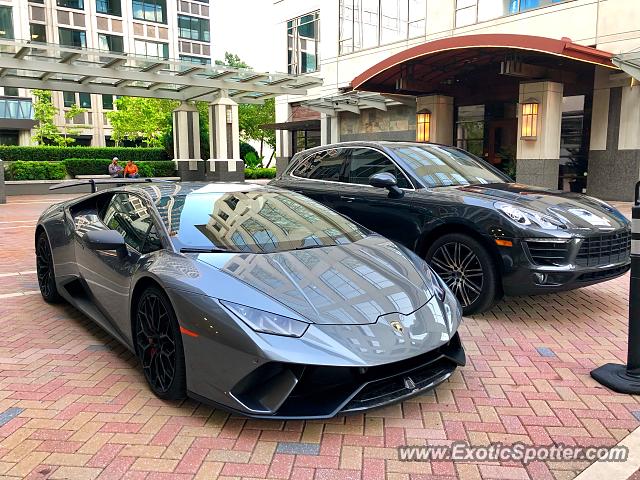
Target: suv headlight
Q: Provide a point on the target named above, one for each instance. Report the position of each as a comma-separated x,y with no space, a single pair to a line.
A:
267,322
525,217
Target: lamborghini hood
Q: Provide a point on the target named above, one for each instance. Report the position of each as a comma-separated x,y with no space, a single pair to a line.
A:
353,284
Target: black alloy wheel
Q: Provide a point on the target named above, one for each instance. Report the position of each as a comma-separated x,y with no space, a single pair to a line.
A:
159,345
467,269
44,270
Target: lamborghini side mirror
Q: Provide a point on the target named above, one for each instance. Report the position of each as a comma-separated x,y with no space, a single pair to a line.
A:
105,240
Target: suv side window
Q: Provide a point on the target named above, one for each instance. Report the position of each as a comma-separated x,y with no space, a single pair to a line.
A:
325,165
366,162
129,215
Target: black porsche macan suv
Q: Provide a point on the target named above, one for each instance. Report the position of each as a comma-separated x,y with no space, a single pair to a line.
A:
482,233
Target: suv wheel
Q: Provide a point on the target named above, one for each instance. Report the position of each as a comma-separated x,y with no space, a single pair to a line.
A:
468,270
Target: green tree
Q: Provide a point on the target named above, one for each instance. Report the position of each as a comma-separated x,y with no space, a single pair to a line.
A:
145,119
46,131
71,129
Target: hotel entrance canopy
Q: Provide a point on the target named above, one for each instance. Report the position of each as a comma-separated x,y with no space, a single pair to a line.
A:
60,68
466,64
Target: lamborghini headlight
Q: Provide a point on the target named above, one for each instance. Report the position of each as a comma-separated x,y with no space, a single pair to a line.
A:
267,322
526,217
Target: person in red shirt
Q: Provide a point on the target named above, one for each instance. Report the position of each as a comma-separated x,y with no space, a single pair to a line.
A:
131,170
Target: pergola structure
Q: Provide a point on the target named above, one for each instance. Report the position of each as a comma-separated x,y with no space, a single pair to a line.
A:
629,63
55,67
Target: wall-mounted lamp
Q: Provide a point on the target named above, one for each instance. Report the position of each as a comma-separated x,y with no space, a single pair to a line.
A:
529,129
423,126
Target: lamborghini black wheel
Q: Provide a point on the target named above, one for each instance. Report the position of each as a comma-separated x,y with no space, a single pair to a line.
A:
44,270
159,345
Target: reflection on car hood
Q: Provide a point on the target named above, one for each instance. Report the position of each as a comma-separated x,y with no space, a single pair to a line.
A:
352,284
574,210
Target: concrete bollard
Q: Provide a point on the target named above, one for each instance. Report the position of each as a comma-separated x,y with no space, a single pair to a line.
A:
626,378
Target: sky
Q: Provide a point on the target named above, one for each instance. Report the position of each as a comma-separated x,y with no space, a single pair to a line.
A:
241,27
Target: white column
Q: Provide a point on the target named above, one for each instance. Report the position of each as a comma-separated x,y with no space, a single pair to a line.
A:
224,141
186,142
538,158
441,109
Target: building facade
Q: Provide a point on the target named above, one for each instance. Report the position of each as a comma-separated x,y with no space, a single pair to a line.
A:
168,29
531,86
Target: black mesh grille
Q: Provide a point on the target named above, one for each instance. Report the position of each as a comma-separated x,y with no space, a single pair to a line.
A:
548,254
604,249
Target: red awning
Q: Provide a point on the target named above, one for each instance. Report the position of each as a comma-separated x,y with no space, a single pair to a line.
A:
439,60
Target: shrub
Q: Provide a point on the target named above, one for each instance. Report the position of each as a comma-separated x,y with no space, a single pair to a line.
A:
21,170
12,153
245,148
100,166
87,166
253,173
252,160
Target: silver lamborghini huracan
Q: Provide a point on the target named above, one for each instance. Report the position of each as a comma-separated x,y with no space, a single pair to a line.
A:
255,299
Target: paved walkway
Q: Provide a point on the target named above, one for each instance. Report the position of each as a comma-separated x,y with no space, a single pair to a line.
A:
74,405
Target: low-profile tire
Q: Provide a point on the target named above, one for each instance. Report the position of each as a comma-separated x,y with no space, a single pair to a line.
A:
467,268
158,343
45,271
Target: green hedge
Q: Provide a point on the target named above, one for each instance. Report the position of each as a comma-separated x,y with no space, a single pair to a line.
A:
10,153
100,166
254,173
21,170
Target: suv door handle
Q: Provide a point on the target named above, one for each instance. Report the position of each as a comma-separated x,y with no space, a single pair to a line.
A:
348,199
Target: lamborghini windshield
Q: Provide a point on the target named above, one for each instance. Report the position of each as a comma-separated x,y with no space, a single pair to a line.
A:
254,221
442,166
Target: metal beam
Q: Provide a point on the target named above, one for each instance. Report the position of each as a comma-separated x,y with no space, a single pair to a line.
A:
22,52
326,110
380,105
349,107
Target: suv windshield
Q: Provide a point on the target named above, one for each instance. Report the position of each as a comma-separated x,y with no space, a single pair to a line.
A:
254,221
442,166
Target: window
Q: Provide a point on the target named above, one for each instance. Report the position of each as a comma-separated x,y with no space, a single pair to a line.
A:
110,7
303,37
198,60
72,38
129,215
370,23
11,92
423,126
366,162
470,129
469,12
151,10
77,4
38,32
193,28
107,102
69,99
110,43
6,22
326,165
85,100
151,49
442,166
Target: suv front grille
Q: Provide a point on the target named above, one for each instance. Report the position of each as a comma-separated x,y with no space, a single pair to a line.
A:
548,253
604,249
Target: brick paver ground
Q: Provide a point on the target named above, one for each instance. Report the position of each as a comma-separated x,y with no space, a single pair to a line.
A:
74,405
